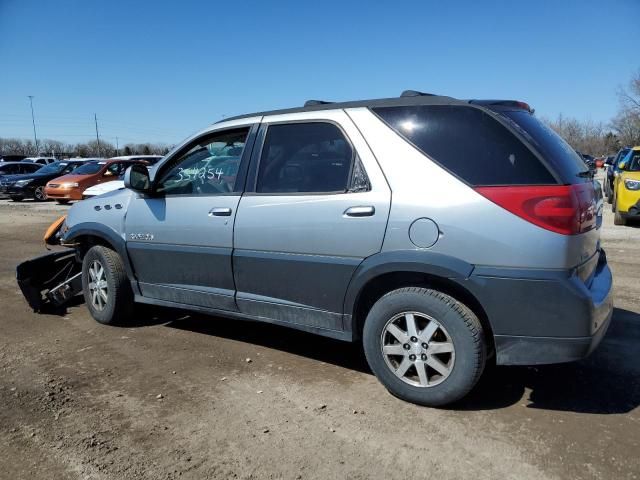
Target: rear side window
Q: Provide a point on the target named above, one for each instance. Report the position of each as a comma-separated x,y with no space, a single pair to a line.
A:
563,159
305,157
469,143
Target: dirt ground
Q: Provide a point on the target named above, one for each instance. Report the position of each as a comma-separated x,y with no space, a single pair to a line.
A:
176,396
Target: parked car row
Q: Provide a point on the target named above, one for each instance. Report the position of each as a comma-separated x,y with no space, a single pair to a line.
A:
64,180
622,186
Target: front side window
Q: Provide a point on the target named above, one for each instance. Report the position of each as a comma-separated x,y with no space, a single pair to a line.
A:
632,161
208,166
8,169
305,157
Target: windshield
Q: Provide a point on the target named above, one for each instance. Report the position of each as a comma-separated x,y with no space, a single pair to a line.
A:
633,161
89,168
55,167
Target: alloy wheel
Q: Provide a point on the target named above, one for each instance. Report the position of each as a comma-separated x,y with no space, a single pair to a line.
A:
98,286
417,349
39,193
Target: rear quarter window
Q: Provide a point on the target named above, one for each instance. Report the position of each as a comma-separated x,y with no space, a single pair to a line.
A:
469,143
562,158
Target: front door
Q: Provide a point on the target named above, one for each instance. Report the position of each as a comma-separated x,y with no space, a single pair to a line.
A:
180,239
317,207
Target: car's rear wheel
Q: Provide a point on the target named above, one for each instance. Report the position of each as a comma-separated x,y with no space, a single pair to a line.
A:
424,346
39,195
107,290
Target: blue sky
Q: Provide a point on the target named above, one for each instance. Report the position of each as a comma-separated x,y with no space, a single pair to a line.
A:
160,70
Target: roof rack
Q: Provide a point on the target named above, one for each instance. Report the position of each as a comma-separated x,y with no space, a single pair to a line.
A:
311,103
416,93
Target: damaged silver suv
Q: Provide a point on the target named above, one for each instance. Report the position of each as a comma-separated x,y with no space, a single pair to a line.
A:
439,232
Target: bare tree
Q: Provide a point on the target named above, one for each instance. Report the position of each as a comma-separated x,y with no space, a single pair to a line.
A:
627,122
585,136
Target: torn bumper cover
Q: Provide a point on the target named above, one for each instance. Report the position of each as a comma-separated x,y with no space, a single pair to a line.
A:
50,280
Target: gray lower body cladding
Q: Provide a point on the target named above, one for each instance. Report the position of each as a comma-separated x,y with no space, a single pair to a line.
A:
542,316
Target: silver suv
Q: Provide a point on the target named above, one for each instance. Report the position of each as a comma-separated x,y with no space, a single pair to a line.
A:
439,232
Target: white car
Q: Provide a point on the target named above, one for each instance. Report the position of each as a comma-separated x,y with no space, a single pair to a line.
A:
101,188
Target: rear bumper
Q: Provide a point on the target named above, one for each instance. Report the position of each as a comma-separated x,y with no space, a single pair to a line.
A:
512,350
541,317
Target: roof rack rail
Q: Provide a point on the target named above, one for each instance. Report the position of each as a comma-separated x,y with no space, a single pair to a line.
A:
416,93
311,103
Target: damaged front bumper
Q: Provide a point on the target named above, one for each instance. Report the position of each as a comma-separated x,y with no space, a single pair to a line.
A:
52,280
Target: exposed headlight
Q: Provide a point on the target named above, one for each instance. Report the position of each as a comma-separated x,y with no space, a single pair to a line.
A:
22,183
69,185
632,184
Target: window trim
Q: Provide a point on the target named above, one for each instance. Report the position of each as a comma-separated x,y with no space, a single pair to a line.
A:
252,177
245,159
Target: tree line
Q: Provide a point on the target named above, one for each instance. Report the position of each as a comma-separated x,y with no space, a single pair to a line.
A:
93,148
598,138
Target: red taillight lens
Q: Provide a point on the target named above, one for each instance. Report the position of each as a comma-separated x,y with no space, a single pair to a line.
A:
565,209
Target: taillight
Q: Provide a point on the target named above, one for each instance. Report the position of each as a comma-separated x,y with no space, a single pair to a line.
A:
565,209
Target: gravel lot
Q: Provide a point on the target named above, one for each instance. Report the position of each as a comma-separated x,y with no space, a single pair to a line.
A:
176,396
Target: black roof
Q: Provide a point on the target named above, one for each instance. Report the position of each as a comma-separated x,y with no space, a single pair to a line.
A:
407,98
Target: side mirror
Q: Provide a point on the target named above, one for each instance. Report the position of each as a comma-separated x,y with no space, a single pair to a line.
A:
137,178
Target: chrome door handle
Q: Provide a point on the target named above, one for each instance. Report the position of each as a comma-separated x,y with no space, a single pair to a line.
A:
220,212
360,211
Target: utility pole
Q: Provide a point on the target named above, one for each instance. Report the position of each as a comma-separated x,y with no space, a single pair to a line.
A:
33,121
117,149
95,118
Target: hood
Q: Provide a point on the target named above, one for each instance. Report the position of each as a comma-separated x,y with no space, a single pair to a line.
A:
71,177
631,175
26,176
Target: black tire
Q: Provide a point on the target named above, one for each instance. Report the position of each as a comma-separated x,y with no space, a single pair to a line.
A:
118,307
39,195
62,202
619,219
462,326
16,199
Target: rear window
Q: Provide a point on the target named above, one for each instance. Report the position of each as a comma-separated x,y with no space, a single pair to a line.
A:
469,143
562,158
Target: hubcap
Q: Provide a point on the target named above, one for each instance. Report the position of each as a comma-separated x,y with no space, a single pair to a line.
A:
98,287
417,349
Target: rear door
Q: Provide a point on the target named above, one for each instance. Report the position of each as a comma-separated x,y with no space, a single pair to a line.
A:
180,240
316,205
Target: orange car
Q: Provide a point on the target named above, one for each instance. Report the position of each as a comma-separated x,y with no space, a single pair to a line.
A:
70,187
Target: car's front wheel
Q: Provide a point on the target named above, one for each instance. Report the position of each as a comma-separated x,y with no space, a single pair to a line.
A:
62,202
107,290
424,346
39,195
16,198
